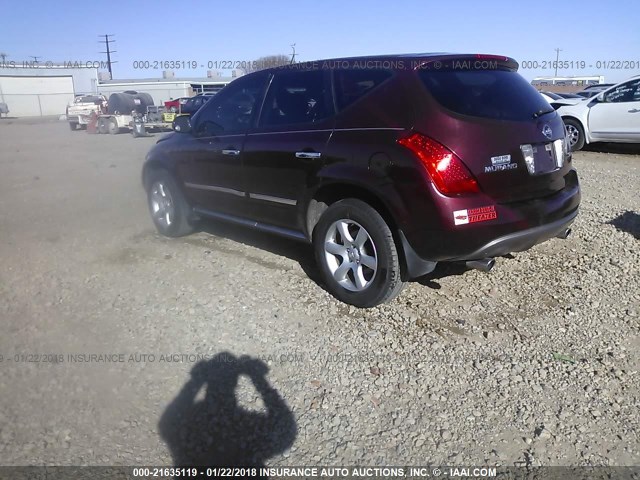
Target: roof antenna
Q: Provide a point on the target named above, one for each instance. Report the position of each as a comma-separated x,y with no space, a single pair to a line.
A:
293,55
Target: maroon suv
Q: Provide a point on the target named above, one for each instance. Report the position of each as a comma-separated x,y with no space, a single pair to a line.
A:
387,165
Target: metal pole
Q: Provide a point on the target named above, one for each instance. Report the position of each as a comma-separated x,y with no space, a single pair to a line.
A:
558,50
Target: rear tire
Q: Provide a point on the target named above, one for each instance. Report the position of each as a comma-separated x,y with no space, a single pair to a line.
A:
575,132
169,209
113,127
357,255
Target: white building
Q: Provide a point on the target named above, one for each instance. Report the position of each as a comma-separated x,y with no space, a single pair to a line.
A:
30,89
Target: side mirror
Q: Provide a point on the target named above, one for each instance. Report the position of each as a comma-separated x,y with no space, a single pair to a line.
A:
600,97
182,124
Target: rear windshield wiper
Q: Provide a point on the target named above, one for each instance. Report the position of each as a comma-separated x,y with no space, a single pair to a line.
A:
539,113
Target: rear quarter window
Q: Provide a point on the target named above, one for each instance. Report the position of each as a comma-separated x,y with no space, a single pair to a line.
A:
352,84
495,94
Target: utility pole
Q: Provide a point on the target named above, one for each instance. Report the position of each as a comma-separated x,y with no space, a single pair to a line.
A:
107,41
35,58
558,50
4,56
293,55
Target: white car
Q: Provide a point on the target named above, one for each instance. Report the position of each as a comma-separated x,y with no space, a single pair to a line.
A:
611,116
556,100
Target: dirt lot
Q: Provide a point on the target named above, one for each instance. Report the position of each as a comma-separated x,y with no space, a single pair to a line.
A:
535,363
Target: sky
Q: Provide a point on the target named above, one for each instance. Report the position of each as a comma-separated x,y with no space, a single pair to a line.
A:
206,32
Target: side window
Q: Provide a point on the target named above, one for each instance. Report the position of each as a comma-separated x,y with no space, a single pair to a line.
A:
232,109
296,97
352,84
627,92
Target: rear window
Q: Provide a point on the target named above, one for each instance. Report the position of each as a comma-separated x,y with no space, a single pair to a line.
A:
497,94
352,84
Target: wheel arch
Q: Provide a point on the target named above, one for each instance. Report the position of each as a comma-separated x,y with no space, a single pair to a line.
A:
578,120
153,165
330,193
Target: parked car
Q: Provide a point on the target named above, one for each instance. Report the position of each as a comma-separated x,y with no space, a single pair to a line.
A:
556,101
176,105
79,112
592,90
610,116
568,95
587,93
194,104
386,165
560,96
599,86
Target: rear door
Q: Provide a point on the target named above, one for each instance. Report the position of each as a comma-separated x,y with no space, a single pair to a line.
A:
497,124
617,117
285,150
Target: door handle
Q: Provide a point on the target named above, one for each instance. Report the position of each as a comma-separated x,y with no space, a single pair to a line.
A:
231,152
634,110
308,154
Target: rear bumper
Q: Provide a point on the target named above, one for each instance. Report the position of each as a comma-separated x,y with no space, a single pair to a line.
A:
521,241
518,227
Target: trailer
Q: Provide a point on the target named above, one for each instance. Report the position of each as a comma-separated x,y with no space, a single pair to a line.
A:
155,118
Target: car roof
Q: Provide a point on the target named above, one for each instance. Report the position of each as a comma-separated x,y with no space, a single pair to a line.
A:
347,62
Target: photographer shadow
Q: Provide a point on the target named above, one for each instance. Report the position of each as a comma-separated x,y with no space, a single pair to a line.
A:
216,431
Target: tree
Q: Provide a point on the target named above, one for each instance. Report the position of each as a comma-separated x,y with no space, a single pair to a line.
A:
268,61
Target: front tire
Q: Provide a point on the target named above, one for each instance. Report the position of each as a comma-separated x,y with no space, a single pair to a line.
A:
102,126
169,209
575,132
73,126
357,255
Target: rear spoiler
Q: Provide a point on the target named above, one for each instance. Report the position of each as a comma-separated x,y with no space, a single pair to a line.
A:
468,63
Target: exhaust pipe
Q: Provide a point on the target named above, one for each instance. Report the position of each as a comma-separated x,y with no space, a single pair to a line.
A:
484,265
563,235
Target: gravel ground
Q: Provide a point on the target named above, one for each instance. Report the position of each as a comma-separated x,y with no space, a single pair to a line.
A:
535,363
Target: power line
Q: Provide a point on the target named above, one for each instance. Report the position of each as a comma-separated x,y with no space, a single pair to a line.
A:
107,41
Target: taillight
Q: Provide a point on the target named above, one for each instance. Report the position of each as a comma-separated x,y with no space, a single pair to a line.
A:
448,173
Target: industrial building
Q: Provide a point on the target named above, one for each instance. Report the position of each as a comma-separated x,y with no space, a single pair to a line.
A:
32,89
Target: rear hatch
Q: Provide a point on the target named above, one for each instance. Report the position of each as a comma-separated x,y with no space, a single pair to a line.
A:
501,128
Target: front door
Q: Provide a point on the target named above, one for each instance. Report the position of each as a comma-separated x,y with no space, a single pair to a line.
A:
284,152
617,117
212,162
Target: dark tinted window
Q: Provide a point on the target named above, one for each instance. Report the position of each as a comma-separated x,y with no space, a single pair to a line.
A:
352,84
231,110
296,97
497,94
